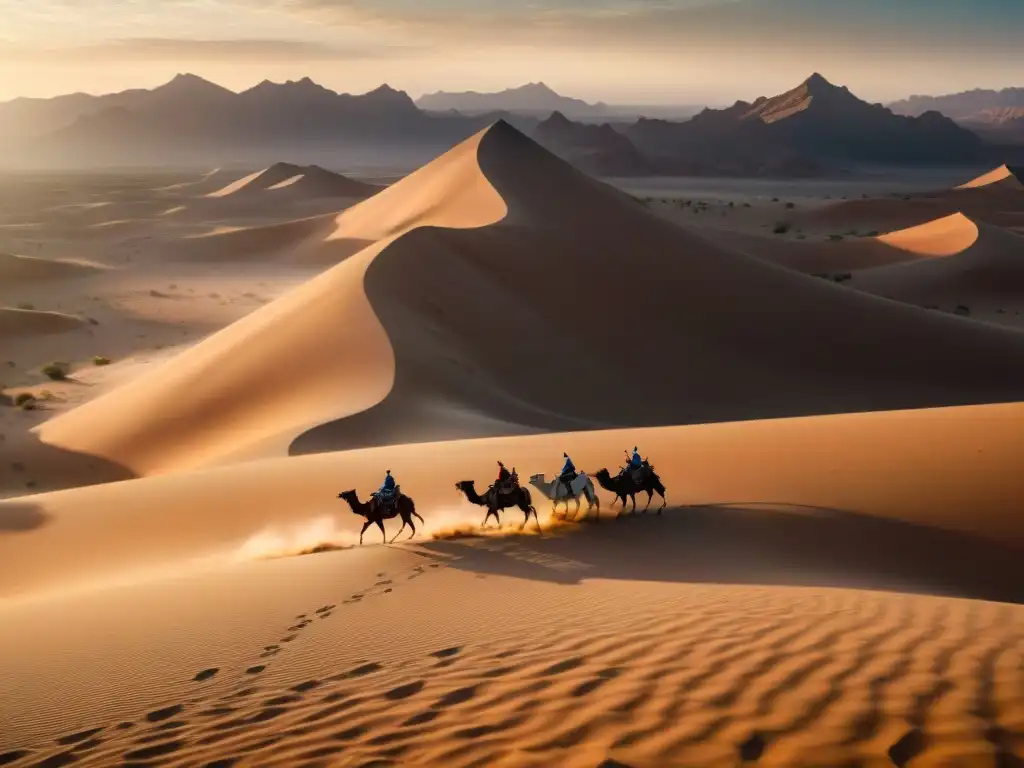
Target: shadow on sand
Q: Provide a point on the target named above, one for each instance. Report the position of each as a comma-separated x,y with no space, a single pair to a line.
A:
756,543
21,517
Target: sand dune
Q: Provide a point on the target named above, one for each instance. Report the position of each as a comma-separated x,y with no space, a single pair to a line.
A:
501,234
562,651
972,265
300,241
870,463
16,269
18,323
307,181
1003,176
278,372
813,257
994,198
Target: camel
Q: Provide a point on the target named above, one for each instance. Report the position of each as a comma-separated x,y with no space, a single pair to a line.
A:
496,502
374,512
556,491
623,485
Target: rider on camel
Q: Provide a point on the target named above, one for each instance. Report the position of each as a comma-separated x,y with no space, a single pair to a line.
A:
507,481
635,462
568,473
387,490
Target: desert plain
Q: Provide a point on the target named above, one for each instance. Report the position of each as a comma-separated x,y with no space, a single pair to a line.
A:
832,391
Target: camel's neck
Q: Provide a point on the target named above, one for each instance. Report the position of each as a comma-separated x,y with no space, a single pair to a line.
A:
357,506
471,495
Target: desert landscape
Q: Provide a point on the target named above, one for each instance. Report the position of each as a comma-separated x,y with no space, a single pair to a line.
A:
804,310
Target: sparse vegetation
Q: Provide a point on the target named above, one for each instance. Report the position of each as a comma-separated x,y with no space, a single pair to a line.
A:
781,228
56,371
962,310
100,360
842,277
791,206
25,400
835,238
26,305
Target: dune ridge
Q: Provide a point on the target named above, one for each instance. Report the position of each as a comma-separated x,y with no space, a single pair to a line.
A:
996,197
238,387
1004,176
16,268
971,264
307,181
500,229
18,323
817,463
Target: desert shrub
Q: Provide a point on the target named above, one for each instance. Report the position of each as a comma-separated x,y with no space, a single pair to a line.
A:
25,400
962,310
791,206
732,204
775,199
842,277
781,228
56,371
835,238
100,360
26,305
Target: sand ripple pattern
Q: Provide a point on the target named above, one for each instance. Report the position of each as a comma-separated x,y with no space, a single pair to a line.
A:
710,676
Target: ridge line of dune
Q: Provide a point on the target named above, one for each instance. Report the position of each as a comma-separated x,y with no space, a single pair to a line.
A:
272,342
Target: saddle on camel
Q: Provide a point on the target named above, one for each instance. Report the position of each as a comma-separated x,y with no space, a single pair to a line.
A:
507,482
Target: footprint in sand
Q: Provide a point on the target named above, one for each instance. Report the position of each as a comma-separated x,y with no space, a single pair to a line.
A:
325,609
55,761
909,746
76,738
206,674
361,671
309,685
288,639
157,750
752,749
459,696
164,714
405,691
255,670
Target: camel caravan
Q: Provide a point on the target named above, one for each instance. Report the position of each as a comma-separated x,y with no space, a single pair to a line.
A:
638,476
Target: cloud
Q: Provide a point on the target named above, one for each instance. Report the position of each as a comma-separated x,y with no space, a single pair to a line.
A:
156,49
986,27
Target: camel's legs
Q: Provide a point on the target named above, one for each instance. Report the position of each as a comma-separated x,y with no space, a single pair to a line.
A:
412,525
367,525
650,495
383,533
633,497
664,502
417,516
397,534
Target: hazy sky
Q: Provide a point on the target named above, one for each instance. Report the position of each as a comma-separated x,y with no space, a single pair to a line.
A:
626,51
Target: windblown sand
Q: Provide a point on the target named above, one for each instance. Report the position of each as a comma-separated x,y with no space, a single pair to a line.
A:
836,579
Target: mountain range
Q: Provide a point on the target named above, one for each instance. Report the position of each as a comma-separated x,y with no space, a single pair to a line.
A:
996,115
541,101
814,128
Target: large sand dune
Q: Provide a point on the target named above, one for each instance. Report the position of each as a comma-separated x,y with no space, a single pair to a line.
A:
970,264
411,339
